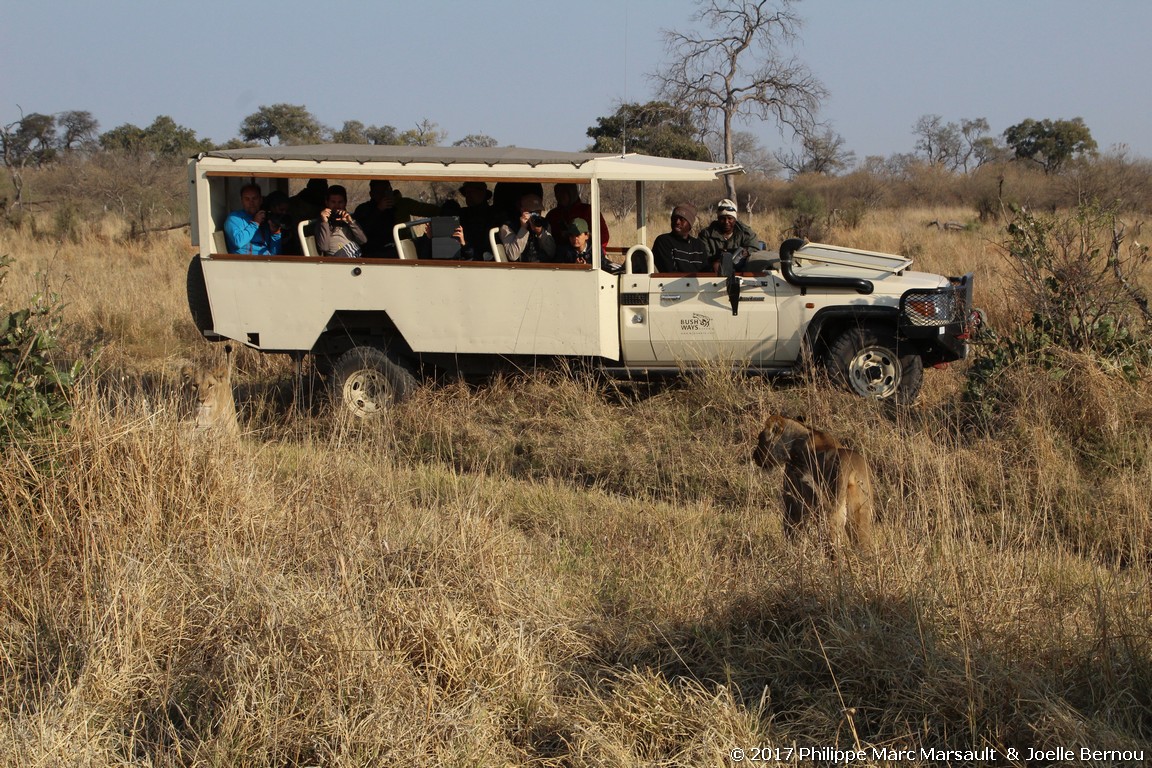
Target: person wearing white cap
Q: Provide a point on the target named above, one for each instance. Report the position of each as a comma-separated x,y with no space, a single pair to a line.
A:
727,234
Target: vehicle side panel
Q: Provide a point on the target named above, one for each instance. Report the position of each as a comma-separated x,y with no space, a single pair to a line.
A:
284,303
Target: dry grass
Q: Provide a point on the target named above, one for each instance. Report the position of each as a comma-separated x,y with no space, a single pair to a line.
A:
546,570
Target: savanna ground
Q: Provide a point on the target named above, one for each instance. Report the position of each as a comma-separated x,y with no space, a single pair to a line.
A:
550,570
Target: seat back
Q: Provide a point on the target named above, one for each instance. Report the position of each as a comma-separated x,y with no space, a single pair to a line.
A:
639,261
305,232
497,247
219,242
405,247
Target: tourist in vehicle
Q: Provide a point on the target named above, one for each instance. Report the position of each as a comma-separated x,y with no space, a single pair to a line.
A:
248,230
308,202
337,233
383,210
477,216
578,248
528,237
569,207
677,250
276,213
727,235
467,252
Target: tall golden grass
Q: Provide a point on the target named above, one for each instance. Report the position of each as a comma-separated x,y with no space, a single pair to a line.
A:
551,570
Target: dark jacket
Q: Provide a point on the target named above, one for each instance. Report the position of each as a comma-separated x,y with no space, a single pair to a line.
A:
377,224
477,221
673,253
742,237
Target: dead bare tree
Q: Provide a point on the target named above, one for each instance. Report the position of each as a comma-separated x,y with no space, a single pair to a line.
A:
738,68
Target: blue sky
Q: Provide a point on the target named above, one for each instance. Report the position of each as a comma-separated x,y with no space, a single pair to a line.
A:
538,74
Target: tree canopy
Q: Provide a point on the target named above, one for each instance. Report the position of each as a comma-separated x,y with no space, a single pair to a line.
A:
78,130
736,67
286,123
955,146
163,138
822,153
656,128
30,141
1050,143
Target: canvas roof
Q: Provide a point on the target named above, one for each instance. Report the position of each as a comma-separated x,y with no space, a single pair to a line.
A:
347,160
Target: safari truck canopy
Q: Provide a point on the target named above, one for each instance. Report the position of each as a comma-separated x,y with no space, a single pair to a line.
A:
300,303
494,164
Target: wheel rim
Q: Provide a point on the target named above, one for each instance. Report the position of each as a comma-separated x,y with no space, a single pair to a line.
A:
366,392
874,372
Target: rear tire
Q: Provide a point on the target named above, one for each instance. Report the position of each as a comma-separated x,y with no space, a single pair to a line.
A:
368,380
869,362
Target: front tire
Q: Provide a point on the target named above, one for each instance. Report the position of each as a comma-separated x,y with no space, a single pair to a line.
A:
870,362
368,380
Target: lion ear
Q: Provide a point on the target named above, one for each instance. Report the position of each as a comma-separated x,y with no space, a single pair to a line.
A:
187,372
800,418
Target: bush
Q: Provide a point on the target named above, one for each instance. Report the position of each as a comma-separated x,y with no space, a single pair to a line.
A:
34,395
1078,287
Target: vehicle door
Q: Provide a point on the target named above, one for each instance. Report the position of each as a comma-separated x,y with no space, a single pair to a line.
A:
690,319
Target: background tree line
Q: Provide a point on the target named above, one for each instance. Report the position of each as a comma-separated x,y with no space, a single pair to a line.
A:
731,66
136,171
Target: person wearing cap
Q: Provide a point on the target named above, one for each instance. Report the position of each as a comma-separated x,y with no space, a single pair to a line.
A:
477,216
528,236
569,207
578,246
678,250
578,249
726,234
384,209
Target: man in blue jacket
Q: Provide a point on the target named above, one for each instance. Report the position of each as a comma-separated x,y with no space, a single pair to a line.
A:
247,230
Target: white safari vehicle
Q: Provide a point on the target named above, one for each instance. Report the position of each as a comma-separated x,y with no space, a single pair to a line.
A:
378,325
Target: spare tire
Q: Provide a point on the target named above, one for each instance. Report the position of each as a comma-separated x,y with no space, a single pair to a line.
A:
198,297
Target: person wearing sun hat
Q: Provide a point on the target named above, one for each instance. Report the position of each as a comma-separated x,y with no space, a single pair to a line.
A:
677,250
477,216
727,234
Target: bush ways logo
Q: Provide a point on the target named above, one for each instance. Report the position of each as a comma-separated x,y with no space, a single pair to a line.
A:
695,323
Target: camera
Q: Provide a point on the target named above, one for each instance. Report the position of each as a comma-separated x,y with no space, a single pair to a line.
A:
537,220
336,216
276,220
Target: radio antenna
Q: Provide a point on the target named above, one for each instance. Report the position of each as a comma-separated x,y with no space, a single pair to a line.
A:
624,128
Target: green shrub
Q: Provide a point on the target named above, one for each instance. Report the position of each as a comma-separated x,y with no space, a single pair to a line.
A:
1078,287
809,213
34,395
